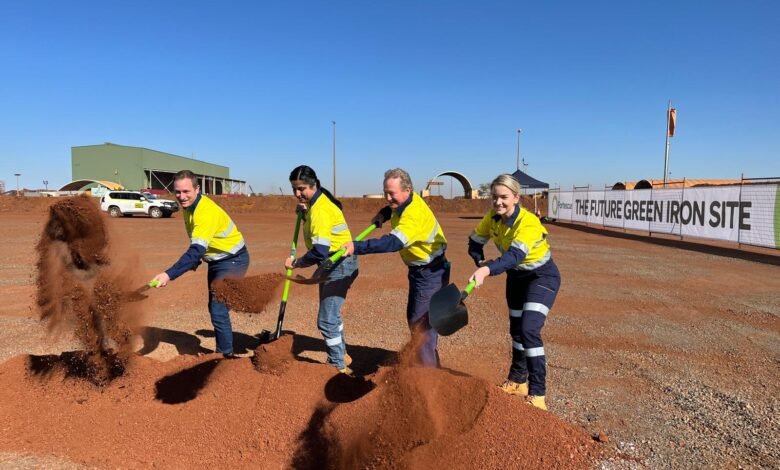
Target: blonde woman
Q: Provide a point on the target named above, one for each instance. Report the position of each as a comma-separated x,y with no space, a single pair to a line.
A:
532,282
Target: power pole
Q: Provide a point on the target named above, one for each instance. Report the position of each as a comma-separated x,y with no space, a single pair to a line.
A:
519,131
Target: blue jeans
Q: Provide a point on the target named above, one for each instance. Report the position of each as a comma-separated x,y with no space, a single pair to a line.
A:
530,296
333,293
234,267
425,281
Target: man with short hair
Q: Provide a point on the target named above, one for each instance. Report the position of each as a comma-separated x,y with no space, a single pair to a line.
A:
215,239
420,240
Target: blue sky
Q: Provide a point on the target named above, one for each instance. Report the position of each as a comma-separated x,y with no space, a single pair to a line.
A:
428,86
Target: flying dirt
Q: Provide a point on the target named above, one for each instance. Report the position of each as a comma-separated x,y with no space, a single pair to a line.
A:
80,287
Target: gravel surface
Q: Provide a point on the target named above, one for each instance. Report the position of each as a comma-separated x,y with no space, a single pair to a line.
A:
672,354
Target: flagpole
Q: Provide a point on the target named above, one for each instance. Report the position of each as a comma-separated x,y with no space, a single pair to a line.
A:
666,155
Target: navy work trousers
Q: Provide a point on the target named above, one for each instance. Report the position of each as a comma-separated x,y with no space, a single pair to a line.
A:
234,267
530,296
425,281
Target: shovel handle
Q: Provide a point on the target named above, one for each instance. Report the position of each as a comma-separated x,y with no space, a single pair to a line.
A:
337,255
153,283
293,249
470,287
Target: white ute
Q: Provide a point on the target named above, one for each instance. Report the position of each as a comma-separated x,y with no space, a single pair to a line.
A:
127,203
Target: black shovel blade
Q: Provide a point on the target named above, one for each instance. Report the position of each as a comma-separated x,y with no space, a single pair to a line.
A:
266,336
447,313
298,279
319,276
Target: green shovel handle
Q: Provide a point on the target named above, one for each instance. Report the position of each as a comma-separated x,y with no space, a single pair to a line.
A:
337,255
292,255
153,283
470,287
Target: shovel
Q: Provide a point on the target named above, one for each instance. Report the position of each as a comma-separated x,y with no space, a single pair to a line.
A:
321,273
268,336
447,313
138,294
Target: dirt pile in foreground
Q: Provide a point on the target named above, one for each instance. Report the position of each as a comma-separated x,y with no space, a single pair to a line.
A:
208,411
79,288
417,417
249,294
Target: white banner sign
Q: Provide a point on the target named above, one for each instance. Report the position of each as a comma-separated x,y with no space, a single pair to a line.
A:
747,214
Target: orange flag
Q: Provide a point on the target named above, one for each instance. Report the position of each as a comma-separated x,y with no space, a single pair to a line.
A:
672,122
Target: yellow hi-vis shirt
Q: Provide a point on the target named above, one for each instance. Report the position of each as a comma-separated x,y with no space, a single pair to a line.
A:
419,231
526,234
209,226
325,225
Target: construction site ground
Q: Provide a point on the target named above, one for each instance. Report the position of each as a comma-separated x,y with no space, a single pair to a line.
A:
670,351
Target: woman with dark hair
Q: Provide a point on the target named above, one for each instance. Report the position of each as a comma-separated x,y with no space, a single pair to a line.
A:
325,231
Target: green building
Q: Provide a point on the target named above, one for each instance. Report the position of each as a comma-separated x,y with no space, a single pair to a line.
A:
139,168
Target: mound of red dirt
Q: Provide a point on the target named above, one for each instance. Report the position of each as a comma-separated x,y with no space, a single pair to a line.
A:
418,417
249,294
425,418
274,358
208,411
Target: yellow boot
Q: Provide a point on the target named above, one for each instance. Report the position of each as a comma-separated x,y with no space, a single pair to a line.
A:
347,362
537,401
514,388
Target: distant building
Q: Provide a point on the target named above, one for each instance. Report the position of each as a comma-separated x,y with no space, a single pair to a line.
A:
2,187
140,168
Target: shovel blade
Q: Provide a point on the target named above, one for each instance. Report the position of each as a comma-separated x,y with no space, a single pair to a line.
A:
447,313
319,276
298,279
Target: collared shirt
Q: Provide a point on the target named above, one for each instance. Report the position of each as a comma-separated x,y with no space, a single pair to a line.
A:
522,241
213,236
416,234
325,230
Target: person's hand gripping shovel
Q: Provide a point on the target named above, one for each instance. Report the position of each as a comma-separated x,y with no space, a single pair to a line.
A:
320,274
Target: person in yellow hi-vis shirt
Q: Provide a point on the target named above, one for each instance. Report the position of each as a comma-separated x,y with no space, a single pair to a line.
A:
215,239
417,235
532,283
325,231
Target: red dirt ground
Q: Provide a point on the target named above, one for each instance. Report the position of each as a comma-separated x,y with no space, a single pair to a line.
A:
646,345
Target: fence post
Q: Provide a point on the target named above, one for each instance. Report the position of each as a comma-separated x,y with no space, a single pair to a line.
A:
587,198
622,211
739,230
682,199
650,229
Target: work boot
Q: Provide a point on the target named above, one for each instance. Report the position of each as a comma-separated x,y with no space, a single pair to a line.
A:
514,388
347,360
346,371
537,401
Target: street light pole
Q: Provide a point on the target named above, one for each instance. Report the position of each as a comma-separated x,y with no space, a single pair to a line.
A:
334,157
519,131
46,184
17,182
